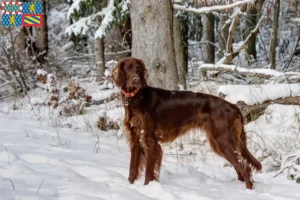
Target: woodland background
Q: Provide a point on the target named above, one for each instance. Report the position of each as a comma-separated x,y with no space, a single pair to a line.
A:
54,86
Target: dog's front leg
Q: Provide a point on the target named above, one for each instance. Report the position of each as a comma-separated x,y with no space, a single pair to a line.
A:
136,160
153,154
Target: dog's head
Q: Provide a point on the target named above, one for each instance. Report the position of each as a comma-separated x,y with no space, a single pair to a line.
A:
129,74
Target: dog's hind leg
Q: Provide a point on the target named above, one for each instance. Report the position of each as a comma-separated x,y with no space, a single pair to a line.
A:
229,150
224,143
240,176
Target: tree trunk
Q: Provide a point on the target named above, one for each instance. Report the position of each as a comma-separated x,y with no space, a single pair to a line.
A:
99,46
297,12
198,27
99,57
209,37
273,41
250,25
41,41
153,42
223,34
185,38
179,51
21,39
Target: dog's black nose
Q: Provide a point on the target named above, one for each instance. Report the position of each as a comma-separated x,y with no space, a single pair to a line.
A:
136,79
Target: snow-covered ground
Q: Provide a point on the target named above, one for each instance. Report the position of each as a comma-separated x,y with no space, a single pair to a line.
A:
41,160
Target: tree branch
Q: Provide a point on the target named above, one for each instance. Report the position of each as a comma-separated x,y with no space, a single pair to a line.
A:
204,10
252,34
232,29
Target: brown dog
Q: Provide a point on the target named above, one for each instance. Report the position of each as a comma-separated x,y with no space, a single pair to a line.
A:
154,115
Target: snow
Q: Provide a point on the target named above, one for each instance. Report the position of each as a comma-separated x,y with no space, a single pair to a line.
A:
296,19
276,133
85,24
234,68
57,24
41,72
203,10
50,85
74,6
43,159
107,20
254,94
79,27
104,94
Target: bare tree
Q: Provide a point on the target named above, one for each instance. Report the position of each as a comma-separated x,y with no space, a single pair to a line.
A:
253,16
179,51
208,37
273,41
152,41
41,40
234,24
223,30
100,47
13,68
250,25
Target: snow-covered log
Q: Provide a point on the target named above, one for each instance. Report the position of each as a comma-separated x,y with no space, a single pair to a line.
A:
262,73
254,99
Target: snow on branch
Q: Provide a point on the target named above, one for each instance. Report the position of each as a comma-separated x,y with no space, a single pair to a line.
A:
74,6
109,17
91,22
247,72
211,8
296,19
80,27
107,20
292,164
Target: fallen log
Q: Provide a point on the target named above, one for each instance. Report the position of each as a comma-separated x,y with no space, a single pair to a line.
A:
253,112
261,73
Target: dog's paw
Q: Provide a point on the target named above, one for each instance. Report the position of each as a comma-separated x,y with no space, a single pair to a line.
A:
131,179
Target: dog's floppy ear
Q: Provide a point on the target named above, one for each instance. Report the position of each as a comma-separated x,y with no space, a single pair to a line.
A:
118,74
144,74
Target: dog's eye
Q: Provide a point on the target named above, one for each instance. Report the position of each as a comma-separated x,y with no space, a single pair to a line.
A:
138,70
127,68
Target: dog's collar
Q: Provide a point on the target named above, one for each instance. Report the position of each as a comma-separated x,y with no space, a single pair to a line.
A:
131,94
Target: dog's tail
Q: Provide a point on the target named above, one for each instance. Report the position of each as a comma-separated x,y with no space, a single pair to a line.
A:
254,163
240,136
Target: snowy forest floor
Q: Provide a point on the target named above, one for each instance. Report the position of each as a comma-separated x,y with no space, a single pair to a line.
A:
35,166
43,156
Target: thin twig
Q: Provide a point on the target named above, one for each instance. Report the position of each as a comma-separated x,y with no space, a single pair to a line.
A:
27,135
7,154
280,172
12,184
40,186
293,54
